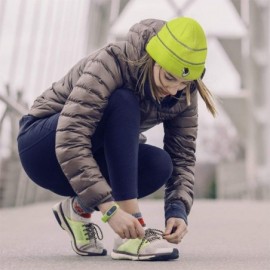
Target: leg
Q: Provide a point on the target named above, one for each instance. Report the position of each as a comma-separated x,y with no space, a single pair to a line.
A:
121,143
123,160
133,170
155,168
36,145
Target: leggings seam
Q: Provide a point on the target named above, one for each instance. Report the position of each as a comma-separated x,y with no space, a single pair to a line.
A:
28,148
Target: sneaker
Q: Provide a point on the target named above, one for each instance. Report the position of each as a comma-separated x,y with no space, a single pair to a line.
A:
84,234
151,248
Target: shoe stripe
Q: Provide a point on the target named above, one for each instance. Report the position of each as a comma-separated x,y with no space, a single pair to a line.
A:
60,217
142,255
147,257
70,230
123,256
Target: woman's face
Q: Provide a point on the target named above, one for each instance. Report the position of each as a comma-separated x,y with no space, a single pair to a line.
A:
168,83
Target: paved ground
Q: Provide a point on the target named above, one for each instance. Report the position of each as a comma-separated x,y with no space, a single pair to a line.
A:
222,235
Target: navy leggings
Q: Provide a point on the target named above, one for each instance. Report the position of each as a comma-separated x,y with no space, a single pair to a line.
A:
133,170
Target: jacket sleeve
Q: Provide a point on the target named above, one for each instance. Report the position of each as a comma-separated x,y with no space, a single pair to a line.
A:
180,142
77,123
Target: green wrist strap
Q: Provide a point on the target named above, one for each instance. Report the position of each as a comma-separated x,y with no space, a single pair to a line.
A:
109,213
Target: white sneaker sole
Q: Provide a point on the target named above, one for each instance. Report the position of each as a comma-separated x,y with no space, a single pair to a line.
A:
59,215
151,257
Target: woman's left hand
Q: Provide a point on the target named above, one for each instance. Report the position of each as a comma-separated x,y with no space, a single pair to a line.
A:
176,229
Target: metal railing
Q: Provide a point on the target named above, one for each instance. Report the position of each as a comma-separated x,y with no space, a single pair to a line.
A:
39,41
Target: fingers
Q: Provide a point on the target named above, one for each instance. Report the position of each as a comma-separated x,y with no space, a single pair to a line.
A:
135,230
132,231
177,229
169,227
122,234
176,237
140,230
126,226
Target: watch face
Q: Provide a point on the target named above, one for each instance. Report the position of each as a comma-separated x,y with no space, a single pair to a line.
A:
111,211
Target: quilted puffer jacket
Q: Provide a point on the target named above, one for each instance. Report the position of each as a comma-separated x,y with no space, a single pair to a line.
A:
82,95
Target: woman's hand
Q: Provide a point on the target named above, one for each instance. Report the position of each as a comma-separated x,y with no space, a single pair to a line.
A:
176,229
125,225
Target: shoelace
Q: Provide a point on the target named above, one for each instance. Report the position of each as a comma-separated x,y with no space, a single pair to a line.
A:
150,235
93,231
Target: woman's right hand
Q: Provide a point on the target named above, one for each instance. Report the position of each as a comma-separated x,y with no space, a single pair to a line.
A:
125,225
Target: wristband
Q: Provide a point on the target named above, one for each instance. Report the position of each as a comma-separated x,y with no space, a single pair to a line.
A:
109,213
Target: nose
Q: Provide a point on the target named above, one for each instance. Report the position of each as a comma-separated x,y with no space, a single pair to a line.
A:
172,90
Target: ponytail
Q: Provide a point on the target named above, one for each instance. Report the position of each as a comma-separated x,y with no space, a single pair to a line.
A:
206,96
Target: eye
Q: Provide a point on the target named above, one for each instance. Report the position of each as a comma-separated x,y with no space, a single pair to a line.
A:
169,78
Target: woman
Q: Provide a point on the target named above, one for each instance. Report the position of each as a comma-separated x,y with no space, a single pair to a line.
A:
81,138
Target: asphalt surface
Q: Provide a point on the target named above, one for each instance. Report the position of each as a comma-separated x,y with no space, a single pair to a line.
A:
222,235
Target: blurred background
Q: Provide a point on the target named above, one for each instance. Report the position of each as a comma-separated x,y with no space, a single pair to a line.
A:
40,40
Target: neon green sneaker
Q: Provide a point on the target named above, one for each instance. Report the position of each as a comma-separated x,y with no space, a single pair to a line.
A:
151,248
84,234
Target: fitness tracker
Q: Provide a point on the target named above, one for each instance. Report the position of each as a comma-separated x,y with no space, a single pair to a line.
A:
109,213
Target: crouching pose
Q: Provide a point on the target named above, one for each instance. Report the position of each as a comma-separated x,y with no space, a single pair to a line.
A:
82,138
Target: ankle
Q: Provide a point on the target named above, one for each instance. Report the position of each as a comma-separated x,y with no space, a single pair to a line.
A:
132,207
139,218
79,210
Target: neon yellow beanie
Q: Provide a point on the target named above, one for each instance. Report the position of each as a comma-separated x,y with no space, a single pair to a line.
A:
180,47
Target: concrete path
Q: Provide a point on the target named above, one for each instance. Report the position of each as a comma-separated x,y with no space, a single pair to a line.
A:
231,235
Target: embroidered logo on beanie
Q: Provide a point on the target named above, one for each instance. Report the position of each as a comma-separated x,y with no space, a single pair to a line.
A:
185,72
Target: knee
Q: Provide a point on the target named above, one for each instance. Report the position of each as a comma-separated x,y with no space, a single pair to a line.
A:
154,171
160,165
164,164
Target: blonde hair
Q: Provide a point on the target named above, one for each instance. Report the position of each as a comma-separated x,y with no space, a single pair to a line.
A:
206,96
145,66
